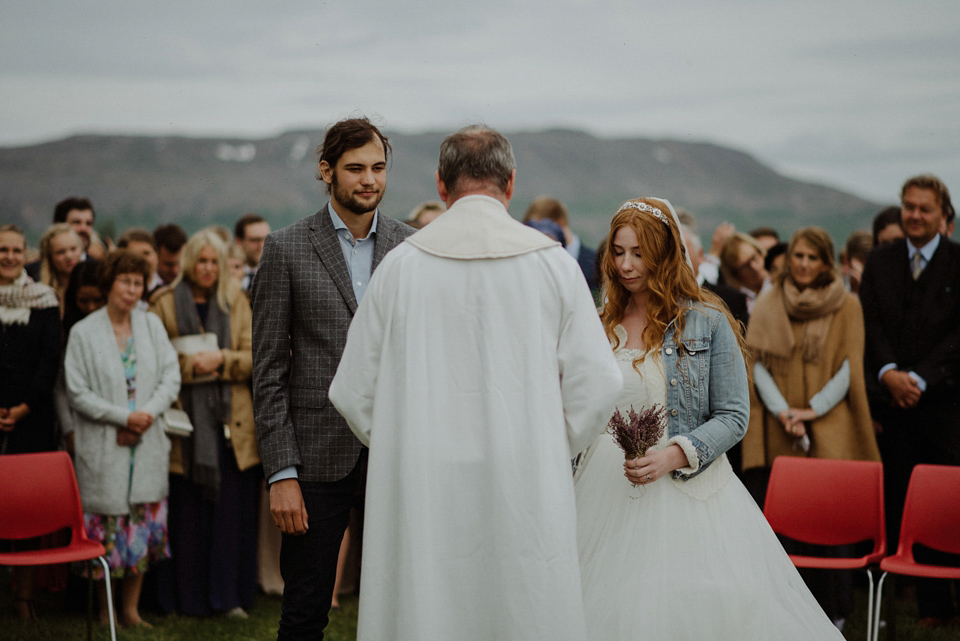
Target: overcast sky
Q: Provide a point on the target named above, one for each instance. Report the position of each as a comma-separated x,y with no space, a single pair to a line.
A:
859,95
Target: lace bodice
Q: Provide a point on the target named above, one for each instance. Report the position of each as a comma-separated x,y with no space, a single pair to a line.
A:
647,387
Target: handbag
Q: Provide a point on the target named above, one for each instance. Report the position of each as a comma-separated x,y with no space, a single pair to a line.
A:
177,422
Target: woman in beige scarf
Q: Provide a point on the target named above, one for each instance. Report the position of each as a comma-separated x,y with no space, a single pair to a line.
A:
806,336
809,396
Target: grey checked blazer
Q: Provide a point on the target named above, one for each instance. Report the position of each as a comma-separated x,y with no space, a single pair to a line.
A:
303,303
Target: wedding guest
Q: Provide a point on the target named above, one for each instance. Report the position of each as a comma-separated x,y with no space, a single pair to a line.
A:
29,360
775,259
121,374
425,213
806,333
545,208
215,474
734,299
853,257
887,226
766,237
83,297
169,240
140,241
60,250
911,311
79,214
249,234
236,263
742,266
550,228
694,530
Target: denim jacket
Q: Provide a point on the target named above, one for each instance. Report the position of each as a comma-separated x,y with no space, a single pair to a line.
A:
708,404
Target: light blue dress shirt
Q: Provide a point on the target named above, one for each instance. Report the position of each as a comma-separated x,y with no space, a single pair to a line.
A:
358,254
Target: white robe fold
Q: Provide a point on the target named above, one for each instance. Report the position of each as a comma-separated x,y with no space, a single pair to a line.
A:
475,368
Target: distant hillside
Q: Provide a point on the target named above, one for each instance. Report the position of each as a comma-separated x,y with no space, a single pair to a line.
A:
199,181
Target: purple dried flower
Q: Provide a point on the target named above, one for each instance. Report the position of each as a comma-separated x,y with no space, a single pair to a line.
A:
640,431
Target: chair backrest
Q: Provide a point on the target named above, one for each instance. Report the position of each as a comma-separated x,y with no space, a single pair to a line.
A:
38,495
931,513
826,501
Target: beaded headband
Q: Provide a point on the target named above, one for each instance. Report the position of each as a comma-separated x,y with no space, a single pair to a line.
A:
641,206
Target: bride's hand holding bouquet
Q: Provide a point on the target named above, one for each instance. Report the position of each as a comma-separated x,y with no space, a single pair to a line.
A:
635,434
654,465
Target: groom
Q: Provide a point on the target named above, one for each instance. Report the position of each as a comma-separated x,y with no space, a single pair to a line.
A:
311,276
475,368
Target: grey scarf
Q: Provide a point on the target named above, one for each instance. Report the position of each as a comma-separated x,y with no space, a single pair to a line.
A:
208,404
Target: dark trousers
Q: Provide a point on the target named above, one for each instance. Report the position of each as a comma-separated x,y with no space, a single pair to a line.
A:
213,544
308,562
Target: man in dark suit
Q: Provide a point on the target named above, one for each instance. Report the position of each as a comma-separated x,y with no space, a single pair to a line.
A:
910,294
312,275
545,208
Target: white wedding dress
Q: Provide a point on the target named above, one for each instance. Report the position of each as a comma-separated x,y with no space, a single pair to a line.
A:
687,559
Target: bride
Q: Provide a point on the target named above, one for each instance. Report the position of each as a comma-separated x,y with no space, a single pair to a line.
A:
692,557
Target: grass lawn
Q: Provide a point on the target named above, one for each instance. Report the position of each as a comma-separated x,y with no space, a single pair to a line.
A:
55,625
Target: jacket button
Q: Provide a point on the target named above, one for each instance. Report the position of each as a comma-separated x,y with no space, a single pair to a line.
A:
673,381
673,412
668,351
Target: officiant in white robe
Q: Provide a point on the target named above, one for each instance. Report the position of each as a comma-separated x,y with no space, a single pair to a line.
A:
475,368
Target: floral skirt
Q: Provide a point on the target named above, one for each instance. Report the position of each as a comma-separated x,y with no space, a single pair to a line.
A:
133,541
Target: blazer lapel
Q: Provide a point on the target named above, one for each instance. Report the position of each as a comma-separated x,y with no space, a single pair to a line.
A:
323,237
385,240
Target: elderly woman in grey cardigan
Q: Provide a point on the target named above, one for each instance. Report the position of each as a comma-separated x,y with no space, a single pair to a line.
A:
121,374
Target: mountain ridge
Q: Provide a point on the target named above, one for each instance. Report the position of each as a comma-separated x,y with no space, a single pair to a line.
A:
149,180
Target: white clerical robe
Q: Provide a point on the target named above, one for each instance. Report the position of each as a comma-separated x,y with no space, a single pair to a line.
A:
475,368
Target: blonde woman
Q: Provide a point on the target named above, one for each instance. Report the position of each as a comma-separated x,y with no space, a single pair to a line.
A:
61,248
215,478
742,266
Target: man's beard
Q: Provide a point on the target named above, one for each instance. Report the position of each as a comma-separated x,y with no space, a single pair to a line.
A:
350,202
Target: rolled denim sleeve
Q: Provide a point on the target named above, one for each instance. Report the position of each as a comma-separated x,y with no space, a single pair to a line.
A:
728,398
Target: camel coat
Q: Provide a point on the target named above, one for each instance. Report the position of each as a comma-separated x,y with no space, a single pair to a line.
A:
846,431
237,369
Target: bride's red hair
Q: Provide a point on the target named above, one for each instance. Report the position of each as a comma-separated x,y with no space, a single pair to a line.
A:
671,281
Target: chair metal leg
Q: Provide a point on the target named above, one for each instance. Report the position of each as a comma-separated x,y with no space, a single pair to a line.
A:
110,614
876,608
870,605
89,600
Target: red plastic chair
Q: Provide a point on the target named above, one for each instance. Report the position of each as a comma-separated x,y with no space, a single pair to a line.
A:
829,502
931,517
38,496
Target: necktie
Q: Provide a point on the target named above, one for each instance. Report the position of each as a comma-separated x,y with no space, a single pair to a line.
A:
916,265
